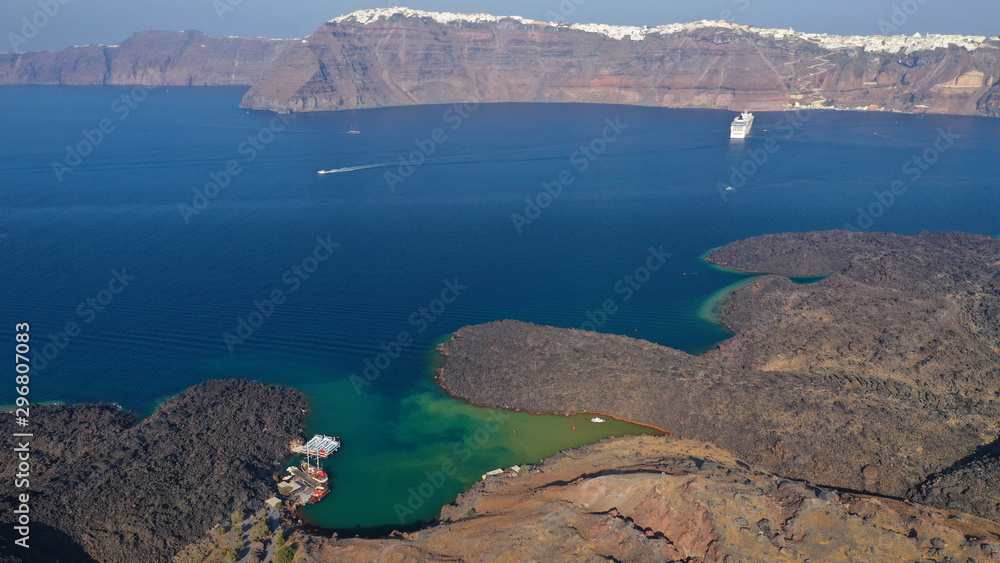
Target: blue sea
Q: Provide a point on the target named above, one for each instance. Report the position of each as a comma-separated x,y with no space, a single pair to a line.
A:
158,238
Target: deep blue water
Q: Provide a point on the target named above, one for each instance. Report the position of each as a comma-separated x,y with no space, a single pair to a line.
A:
654,186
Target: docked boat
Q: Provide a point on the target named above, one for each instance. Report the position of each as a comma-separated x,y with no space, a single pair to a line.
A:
318,494
315,471
741,126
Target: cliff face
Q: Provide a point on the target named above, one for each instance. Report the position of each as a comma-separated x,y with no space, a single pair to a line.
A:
151,58
106,486
872,379
645,499
397,56
405,57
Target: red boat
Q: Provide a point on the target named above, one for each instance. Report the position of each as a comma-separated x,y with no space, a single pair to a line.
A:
315,471
318,494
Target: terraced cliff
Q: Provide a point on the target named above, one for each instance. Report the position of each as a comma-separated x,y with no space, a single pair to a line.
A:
150,58
396,56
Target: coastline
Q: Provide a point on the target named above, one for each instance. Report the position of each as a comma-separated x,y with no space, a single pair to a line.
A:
469,401
711,308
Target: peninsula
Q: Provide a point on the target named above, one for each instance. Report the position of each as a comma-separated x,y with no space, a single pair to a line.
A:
877,378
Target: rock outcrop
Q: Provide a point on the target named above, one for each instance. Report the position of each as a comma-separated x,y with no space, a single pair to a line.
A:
972,485
881,374
645,499
106,486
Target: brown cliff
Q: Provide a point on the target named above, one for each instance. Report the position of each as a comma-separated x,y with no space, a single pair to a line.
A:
410,57
151,58
405,57
872,379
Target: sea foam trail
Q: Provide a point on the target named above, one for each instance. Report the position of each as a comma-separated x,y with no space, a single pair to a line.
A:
353,168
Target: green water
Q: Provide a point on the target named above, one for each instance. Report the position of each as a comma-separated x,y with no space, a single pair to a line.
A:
711,309
418,455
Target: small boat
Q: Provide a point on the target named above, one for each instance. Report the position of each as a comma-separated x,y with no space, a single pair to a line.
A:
354,130
730,188
597,419
318,494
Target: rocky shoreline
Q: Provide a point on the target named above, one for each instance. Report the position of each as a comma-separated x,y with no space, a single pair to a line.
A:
642,499
881,380
107,486
873,379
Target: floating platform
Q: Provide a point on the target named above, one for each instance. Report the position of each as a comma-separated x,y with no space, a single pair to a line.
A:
318,446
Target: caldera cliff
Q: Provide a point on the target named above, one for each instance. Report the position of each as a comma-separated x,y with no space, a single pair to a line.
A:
397,56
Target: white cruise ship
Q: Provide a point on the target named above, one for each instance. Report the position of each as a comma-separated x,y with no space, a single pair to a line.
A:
741,126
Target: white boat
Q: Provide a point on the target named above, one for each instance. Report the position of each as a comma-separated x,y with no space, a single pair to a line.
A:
597,419
741,126
321,446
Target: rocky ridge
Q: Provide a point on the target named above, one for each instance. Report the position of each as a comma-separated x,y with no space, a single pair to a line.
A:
107,486
878,376
397,56
150,58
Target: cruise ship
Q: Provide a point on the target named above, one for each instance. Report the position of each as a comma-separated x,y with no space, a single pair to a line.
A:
741,126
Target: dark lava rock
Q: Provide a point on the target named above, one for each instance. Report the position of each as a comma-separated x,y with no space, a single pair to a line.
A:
885,371
108,486
972,486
